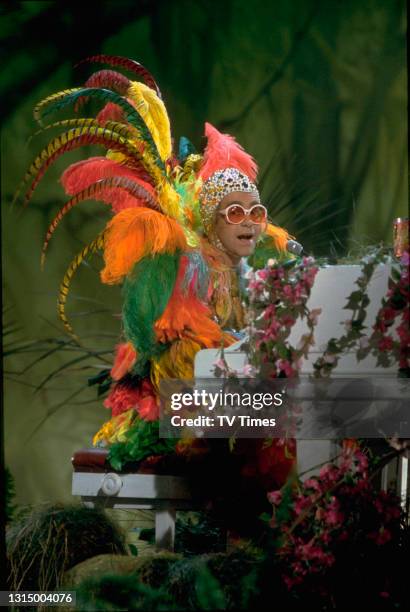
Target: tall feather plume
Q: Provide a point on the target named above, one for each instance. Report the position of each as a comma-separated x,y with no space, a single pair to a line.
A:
107,79
222,151
62,99
102,190
79,137
128,64
122,129
82,174
153,111
88,250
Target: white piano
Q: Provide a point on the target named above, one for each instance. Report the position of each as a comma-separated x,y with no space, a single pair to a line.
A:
333,285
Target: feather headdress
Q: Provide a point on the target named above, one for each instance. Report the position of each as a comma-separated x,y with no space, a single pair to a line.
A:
222,151
159,201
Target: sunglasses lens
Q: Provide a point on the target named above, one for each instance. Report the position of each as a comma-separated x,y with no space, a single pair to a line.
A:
258,214
235,214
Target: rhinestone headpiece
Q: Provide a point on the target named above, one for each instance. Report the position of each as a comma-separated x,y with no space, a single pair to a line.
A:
216,187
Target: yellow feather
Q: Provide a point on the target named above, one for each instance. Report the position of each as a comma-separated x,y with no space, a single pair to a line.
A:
169,199
177,362
115,429
89,249
153,111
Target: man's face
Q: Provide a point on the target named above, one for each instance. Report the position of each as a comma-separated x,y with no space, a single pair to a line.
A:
240,239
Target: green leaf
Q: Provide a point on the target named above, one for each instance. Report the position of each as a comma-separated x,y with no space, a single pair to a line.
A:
383,360
395,273
133,550
208,591
353,300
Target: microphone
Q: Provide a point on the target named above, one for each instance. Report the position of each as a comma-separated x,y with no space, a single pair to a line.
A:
294,247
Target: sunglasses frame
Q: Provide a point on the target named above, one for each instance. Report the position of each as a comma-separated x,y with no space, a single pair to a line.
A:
247,213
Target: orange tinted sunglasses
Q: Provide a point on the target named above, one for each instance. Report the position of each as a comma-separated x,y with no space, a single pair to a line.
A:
235,214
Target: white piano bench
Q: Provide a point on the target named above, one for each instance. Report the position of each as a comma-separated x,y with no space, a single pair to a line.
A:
99,486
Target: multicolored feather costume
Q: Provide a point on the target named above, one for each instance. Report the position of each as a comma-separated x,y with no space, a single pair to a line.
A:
176,287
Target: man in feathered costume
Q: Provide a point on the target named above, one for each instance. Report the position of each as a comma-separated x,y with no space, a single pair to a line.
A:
181,224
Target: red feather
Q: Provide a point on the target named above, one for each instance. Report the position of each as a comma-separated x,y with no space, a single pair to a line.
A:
222,151
108,191
107,79
127,64
82,174
78,141
110,112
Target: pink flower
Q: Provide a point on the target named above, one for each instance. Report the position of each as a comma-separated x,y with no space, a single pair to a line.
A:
381,537
286,367
262,274
220,364
388,314
291,581
301,504
287,320
247,370
333,517
385,344
361,461
275,497
405,259
312,483
328,472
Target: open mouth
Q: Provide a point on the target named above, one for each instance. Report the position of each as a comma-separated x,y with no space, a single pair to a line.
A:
245,237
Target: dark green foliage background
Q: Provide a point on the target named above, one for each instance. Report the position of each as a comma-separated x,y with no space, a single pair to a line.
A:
315,90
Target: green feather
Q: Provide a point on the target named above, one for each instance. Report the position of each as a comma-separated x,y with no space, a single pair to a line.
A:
141,440
146,294
63,99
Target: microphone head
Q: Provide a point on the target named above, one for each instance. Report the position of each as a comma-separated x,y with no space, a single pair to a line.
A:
294,247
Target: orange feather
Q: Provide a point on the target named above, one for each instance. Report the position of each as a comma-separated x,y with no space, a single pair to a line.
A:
279,235
135,233
185,312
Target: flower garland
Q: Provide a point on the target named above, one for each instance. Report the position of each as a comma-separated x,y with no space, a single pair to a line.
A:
394,306
357,301
278,295
311,520
380,344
